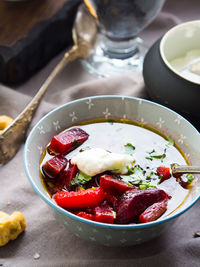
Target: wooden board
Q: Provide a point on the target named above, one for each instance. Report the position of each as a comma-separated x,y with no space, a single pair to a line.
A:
31,33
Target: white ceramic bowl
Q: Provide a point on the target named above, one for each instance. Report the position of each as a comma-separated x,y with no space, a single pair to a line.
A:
161,118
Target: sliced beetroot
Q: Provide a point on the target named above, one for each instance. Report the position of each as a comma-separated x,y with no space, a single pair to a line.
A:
104,213
111,199
153,212
66,141
164,173
114,186
66,177
132,203
54,166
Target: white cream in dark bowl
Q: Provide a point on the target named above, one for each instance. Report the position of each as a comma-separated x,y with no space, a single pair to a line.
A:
180,50
171,69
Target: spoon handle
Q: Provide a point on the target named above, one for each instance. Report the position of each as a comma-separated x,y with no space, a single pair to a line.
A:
178,169
17,130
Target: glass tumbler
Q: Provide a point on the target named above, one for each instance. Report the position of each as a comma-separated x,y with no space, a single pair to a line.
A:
119,49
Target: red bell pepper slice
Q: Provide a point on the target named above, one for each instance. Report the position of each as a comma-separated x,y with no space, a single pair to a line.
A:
66,141
114,186
153,212
80,199
104,213
164,173
85,215
54,166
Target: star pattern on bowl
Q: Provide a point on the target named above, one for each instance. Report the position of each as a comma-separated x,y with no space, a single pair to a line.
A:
73,116
124,116
142,121
106,113
66,223
56,125
123,240
89,103
178,120
41,129
95,230
160,122
181,139
187,155
80,229
40,148
108,237
92,238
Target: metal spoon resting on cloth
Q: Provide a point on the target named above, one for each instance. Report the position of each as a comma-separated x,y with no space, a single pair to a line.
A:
84,34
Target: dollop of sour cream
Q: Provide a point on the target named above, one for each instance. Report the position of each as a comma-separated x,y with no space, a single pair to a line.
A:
96,160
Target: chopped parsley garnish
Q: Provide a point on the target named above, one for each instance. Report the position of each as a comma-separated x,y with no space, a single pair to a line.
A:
170,142
151,152
135,176
76,143
156,157
114,170
190,178
145,186
129,148
152,157
110,121
130,171
80,179
138,178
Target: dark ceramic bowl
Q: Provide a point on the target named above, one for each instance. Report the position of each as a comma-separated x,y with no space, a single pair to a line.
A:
167,85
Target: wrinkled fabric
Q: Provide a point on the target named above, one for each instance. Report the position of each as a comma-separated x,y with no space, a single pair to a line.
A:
50,243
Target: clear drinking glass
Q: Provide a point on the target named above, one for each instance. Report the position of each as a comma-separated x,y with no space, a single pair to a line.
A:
118,49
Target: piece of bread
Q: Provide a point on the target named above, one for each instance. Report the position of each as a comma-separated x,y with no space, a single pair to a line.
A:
11,226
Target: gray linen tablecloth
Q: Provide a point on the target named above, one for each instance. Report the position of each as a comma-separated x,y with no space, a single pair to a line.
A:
45,242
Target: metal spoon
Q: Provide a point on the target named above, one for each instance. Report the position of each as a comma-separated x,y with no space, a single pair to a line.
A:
180,169
84,35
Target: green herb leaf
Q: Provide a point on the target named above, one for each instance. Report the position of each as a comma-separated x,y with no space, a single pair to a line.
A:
130,171
170,141
145,186
151,151
76,143
114,170
80,179
111,121
152,157
129,148
190,178
136,176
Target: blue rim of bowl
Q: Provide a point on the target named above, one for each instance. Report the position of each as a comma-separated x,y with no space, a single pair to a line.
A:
93,223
